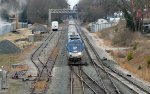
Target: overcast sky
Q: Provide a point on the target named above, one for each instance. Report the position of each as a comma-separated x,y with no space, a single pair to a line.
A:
73,2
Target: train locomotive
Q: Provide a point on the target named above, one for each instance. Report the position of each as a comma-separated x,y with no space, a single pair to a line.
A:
75,49
75,45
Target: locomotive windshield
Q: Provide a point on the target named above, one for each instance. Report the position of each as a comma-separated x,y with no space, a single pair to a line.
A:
75,46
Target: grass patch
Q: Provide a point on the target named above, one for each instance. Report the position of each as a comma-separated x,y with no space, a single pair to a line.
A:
16,87
6,60
40,85
148,61
139,67
130,56
136,59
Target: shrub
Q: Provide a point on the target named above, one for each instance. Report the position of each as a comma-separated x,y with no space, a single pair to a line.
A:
121,55
148,61
135,46
88,28
104,34
139,67
123,38
129,56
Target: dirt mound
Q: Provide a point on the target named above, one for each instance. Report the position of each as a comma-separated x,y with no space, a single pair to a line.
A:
38,27
7,47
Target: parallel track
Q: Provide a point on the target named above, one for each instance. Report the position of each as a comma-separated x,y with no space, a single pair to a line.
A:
87,81
103,68
77,86
105,79
44,67
38,51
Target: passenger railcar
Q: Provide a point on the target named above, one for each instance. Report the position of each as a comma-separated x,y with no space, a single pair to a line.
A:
54,26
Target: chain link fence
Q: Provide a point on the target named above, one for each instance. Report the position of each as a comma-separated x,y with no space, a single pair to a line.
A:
95,27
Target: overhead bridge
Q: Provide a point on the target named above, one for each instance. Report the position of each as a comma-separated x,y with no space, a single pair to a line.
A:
61,11
67,11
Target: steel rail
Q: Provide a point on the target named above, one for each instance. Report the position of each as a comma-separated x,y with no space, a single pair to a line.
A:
71,82
72,79
34,53
80,73
105,85
115,71
90,83
49,70
38,54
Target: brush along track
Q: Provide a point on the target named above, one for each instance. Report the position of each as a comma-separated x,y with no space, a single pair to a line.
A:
87,81
135,88
40,85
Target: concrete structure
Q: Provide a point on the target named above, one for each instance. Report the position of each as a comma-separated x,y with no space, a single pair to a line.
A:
100,21
61,11
31,38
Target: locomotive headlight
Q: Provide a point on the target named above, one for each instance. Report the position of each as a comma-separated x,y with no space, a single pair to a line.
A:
79,53
70,53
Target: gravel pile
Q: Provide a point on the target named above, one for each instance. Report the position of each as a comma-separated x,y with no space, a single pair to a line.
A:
38,27
7,47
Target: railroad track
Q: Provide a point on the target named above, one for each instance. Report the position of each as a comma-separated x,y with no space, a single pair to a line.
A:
44,67
34,57
86,81
76,84
103,75
111,71
106,80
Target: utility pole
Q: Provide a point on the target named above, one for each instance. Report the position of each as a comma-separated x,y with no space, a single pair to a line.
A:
17,20
132,11
68,5
49,18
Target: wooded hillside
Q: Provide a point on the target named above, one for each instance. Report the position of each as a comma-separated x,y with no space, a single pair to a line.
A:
133,10
31,10
91,10
38,9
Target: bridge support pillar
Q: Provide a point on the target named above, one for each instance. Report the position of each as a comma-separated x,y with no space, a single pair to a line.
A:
49,18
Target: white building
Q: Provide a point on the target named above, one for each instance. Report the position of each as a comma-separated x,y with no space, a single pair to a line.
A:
114,20
101,21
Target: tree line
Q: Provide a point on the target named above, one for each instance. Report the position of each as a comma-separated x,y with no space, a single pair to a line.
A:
38,9
91,10
30,10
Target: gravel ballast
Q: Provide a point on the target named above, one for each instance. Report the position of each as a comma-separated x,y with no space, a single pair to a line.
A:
7,47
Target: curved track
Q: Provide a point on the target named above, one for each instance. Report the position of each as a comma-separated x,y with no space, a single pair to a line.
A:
87,81
77,86
103,75
99,67
44,67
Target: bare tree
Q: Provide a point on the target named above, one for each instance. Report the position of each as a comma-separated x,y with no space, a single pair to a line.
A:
91,10
38,9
